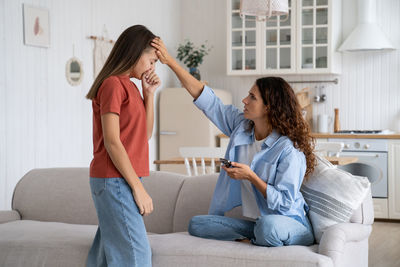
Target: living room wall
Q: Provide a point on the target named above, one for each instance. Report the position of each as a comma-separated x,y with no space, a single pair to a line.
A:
44,121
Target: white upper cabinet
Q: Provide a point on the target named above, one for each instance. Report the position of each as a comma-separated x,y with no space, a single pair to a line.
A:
304,42
243,53
319,36
278,45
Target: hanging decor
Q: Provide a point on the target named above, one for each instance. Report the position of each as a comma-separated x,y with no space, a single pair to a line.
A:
264,9
102,48
74,69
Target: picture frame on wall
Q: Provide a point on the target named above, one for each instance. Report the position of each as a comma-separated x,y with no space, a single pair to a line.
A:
36,26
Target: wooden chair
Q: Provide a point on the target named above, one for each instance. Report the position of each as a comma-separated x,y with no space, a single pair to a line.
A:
202,153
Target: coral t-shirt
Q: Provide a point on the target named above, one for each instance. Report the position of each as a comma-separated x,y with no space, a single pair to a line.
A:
118,94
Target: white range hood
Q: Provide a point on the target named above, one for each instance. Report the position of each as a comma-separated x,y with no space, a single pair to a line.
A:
367,35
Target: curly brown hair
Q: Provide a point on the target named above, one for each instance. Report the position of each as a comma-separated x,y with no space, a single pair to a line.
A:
284,115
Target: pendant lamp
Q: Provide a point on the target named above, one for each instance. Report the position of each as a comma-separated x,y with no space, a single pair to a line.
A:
263,9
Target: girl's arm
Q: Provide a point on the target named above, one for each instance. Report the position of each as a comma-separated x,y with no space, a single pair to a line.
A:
149,105
192,85
120,159
150,82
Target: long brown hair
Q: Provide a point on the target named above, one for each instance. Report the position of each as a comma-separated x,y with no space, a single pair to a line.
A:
124,55
284,114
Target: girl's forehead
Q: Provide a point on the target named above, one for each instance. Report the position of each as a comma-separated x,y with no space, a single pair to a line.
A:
150,53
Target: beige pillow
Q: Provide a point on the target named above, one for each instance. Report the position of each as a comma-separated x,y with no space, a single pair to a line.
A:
332,195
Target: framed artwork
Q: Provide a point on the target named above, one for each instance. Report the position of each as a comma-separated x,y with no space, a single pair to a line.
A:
36,26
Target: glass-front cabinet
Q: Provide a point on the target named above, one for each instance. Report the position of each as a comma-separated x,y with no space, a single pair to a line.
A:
278,36
313,24
243,40
305,41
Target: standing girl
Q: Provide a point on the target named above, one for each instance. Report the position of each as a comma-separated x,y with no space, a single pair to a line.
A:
271,149
122,125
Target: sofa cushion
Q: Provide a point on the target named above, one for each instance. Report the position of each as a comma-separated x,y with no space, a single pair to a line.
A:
181,249
194,199
332,195
9,215
55,195
34,243
163,188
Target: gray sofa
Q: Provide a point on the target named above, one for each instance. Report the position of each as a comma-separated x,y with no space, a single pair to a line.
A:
53,223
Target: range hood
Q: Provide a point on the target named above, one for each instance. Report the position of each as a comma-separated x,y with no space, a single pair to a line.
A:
367,35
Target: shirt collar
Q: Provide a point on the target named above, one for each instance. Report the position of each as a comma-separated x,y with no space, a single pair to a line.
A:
248,137
272,138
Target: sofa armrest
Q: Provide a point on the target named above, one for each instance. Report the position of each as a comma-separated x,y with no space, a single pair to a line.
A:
333,240
9,215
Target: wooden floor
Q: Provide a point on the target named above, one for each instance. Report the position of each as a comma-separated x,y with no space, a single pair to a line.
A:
384,244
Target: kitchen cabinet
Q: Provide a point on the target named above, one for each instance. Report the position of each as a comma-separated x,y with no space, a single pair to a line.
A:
394,179
304,43
381,210
244,36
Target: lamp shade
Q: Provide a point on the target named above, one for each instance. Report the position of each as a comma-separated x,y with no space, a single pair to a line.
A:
263,9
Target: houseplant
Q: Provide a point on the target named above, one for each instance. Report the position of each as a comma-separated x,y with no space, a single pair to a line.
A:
192,56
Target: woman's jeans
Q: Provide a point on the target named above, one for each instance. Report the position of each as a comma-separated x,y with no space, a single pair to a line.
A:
121,238
267,230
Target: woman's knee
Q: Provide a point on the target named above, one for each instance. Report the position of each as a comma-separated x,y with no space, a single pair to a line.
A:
198,224
268,232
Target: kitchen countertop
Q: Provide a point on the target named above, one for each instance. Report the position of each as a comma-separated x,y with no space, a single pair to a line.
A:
357,136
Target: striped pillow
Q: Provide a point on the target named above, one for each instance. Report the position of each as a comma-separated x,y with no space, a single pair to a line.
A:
332,195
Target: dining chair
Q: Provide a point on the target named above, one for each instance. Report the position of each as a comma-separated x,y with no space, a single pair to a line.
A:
201,153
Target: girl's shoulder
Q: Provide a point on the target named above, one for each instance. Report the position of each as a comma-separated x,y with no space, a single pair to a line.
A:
111,81
112,85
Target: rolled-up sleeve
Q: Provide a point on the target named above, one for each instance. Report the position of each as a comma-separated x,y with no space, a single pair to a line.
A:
290,173
225,117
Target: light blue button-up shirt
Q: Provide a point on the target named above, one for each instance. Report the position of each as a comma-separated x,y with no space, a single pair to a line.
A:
279,164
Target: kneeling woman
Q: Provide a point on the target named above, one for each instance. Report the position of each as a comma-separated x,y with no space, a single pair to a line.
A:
271,149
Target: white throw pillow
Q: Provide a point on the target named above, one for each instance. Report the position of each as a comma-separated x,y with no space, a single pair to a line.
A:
332,195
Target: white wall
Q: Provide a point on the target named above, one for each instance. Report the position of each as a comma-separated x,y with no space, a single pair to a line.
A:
368,93
45,122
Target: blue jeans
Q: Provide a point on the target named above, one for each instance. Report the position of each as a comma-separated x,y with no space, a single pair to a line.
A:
121,238
267,230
